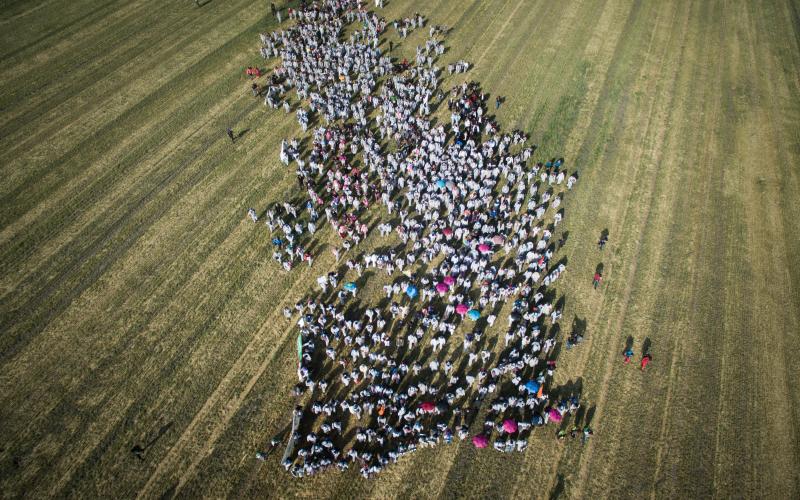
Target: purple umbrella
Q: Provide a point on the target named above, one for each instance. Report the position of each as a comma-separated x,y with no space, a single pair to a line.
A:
484,248
462,309
449,280
554,415
480,441
442,288
509,426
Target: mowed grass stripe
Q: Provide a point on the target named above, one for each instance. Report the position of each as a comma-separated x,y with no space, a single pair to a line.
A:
147,138
117,367
210,421
19,45
214,134
97,50
99,96
241,210
100,99
13,9
70,252
209,337
104,48
162,253
783,91
646,128
39,357
737,406
648,315
695,104
763,286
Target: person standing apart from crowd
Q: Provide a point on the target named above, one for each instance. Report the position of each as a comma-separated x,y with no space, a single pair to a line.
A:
602,242
628,354
646,360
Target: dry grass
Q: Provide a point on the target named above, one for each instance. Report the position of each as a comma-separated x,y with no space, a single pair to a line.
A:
134,299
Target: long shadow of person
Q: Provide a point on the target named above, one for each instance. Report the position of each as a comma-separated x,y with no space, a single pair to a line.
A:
629,343
579,326
590,414
558,489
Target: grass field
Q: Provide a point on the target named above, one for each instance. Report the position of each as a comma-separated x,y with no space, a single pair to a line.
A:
137,305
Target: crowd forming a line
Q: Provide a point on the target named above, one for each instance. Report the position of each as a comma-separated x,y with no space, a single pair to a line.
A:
475,218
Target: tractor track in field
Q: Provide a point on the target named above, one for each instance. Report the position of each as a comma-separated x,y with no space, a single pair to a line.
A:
98,12
649,197
99,243
188,346
111,105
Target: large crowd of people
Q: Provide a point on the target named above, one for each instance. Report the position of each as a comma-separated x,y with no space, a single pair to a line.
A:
469,220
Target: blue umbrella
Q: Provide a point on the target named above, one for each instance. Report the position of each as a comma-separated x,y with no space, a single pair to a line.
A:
532,386
473,314
412,291
441,183
537,420
350,286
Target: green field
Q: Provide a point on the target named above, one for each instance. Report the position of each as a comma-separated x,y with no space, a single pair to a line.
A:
138,305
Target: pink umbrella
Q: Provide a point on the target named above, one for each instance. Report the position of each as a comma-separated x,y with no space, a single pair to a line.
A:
448,232
442,288
484,248
498,239
427,407
448,280
480,441
509,426
554,415
462,309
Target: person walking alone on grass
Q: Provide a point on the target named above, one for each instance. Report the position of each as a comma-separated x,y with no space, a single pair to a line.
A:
597,279
229,131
